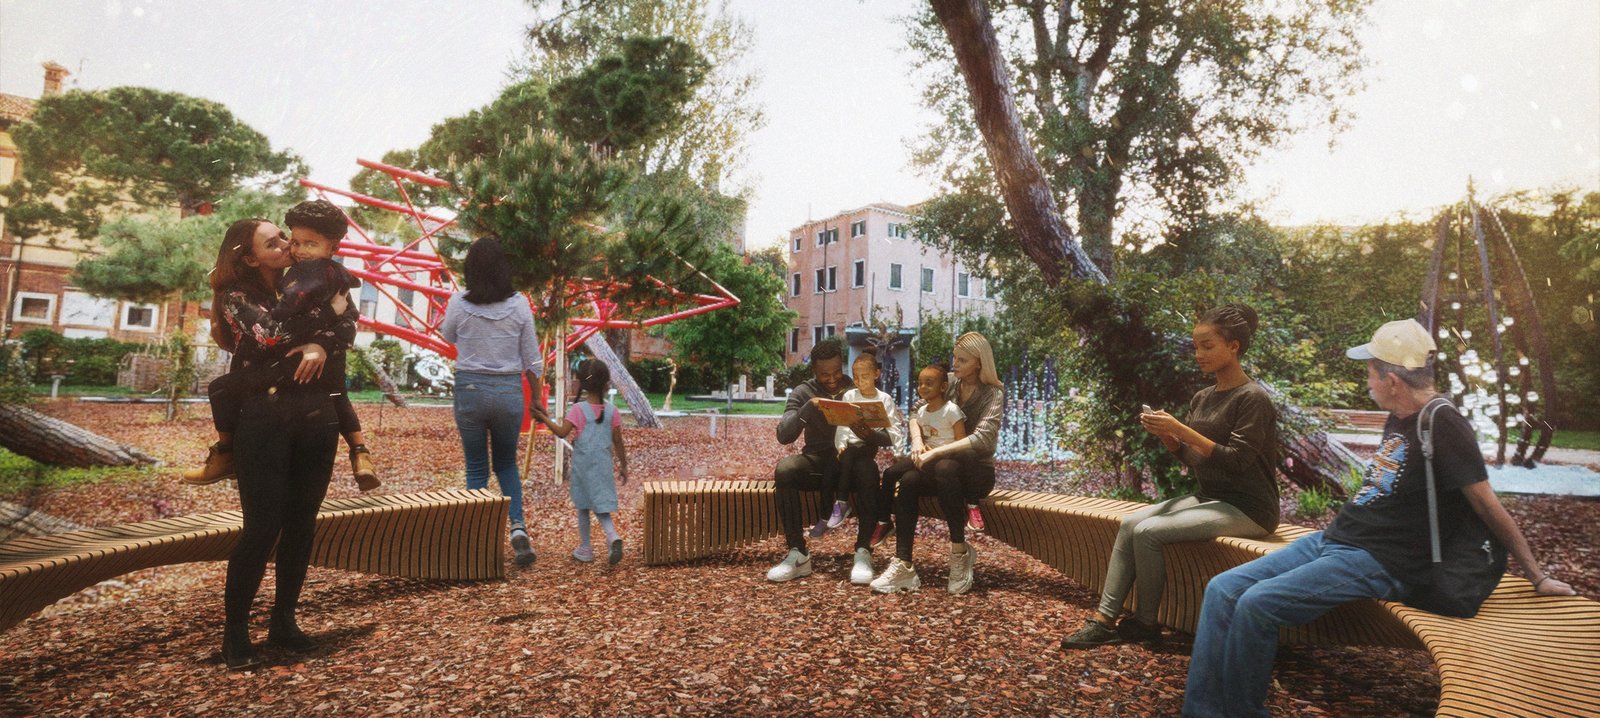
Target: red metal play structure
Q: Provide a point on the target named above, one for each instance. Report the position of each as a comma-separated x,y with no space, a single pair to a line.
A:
416,266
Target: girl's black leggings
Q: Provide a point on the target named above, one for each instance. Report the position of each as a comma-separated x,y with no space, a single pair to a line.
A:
957,482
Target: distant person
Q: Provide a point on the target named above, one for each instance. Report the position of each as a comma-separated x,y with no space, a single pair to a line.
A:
596,433
858,463
497,348
1230,446
817,464
316,227
1379,545
960,473
287,430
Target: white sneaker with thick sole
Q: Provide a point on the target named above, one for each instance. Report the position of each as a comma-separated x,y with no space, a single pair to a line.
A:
861,570
792,566
962,560
899,576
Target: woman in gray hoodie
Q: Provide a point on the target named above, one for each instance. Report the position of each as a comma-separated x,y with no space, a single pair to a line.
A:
491,325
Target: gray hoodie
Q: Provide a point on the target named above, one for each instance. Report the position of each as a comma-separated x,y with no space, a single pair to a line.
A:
497,338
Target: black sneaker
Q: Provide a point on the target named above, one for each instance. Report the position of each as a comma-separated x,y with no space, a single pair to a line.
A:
1094,633
615,556
1133,630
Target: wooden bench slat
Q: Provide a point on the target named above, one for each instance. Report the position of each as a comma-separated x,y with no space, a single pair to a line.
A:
1523,655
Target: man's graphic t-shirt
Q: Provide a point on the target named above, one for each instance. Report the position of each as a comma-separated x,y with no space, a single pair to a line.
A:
1389,515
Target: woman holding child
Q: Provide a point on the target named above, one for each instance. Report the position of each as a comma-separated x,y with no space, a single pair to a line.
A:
1229,444
287,430
960,472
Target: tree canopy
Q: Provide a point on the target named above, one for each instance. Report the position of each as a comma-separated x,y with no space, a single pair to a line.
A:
747,339
97,150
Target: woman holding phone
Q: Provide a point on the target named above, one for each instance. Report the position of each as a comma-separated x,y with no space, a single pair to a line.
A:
1230,445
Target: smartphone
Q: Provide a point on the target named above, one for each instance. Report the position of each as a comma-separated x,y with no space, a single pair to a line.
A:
1145,409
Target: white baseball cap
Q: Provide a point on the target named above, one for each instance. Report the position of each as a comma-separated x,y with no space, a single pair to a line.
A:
1404,342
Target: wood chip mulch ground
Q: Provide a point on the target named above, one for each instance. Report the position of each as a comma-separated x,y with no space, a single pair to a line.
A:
561,637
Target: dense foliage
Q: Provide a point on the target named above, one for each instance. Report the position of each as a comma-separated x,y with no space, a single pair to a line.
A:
100,149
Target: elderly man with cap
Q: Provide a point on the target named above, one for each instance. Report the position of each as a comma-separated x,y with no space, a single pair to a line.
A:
1379,541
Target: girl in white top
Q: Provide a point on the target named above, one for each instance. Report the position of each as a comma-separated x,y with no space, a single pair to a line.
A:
858,447
865,375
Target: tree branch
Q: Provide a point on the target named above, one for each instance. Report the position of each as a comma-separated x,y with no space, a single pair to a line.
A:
1041,231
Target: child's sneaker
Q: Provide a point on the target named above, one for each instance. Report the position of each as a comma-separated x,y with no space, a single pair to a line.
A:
615,555
361,466
821,529
841,511
881,532
584,554
974,517
861,567
219,466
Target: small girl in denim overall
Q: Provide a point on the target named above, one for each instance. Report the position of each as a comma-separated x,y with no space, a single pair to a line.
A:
597,434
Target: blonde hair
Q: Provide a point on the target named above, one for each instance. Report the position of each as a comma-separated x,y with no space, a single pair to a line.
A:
978,348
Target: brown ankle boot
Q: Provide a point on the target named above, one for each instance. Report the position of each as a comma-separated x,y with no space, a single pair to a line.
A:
361,466
219,466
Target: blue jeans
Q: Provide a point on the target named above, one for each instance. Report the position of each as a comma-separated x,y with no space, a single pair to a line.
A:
1236,638
489,409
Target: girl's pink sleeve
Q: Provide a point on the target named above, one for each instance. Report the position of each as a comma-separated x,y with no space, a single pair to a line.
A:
616,417
577,419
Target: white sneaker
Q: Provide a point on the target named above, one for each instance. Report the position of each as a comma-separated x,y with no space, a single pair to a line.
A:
899,576
792,566
962,560
861,570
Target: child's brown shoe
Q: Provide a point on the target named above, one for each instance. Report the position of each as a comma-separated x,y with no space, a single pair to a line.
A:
361,466
219,466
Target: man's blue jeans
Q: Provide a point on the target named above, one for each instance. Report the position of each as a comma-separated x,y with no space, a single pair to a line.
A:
1236,639
488,409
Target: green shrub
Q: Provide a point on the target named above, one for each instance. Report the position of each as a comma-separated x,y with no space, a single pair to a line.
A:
390,354
1314,503
85,362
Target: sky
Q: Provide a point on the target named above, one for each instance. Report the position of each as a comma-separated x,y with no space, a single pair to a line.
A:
1506,92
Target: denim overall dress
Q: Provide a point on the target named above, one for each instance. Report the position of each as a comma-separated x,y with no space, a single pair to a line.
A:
593,486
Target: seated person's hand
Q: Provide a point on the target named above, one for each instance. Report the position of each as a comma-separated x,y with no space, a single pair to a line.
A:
1160,423
1552,586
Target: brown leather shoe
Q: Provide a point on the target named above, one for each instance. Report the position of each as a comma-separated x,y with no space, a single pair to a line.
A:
219,466
361,466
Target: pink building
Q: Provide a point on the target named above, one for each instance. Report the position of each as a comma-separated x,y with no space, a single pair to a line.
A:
864,263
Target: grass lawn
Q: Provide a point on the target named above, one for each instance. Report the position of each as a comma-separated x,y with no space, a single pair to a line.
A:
1574,439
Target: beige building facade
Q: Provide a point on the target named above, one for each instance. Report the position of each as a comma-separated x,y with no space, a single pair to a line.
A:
36,272
862,266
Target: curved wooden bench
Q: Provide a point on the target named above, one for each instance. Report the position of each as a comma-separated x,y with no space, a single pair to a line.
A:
1523,655
440,535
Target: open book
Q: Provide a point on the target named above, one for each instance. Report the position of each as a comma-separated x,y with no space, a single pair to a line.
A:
845,413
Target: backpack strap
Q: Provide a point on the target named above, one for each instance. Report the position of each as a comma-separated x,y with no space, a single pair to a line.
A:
1425,423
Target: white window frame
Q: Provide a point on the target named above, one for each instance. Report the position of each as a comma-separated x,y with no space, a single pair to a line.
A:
858,274
930,280
816,335
49,313
797,240
897,276
820,278
858,228
964,285
794,340
833,277
127,307
794,285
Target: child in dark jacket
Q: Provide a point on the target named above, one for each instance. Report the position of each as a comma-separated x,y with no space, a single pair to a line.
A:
316,228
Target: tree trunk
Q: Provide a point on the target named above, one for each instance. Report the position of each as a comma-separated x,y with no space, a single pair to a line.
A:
386,384
643,415
1042,232
621,342
1308,459
49,440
